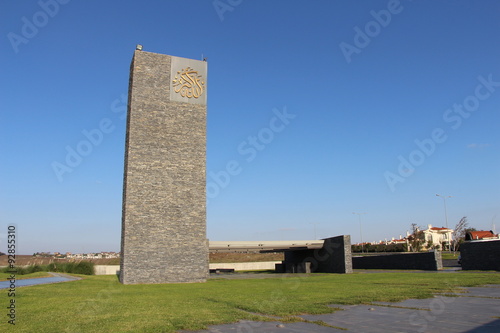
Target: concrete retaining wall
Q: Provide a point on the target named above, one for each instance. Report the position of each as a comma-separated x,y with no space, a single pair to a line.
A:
430,261
237,266
246,266
480,255
333,257
106,269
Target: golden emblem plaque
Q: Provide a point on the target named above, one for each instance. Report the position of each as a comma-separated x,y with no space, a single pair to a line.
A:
188,83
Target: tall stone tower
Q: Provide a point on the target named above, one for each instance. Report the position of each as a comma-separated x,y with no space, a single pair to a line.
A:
164,203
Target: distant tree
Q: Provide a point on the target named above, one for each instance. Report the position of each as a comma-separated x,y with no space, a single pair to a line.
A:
468,230
462,239
416,239
381,248
355,248
459,232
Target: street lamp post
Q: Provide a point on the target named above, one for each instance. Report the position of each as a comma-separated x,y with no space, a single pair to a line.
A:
360,229
314,224
445,212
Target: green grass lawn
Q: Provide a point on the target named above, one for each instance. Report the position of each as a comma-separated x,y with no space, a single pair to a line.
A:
450,255
102,304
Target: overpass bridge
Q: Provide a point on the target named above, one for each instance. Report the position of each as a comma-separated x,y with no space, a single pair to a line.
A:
264,246
329,255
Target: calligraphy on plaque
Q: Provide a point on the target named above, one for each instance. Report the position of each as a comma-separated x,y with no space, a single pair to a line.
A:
188,83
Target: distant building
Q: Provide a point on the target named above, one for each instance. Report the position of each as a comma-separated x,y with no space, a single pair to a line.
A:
435,237
481,235
92,255
401,240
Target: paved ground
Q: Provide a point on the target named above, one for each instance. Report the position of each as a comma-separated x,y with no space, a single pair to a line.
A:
477,311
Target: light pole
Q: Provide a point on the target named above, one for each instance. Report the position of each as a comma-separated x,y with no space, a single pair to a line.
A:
314,224
445,212
360,229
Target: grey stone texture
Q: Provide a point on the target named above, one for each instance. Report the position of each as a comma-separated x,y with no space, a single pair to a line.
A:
333,257
423,261
164,200
480,255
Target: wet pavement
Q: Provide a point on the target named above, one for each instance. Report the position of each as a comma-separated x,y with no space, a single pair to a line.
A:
55,278
475,311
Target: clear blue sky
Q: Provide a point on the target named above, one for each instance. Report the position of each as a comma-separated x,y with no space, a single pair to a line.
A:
360,81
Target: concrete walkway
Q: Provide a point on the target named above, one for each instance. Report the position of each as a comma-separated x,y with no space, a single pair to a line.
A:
476,311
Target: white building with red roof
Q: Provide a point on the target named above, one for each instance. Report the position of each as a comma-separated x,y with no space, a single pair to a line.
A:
435,236
481,235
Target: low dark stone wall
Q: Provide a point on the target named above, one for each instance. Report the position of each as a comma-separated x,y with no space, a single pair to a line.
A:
429,261
333,257
480,255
